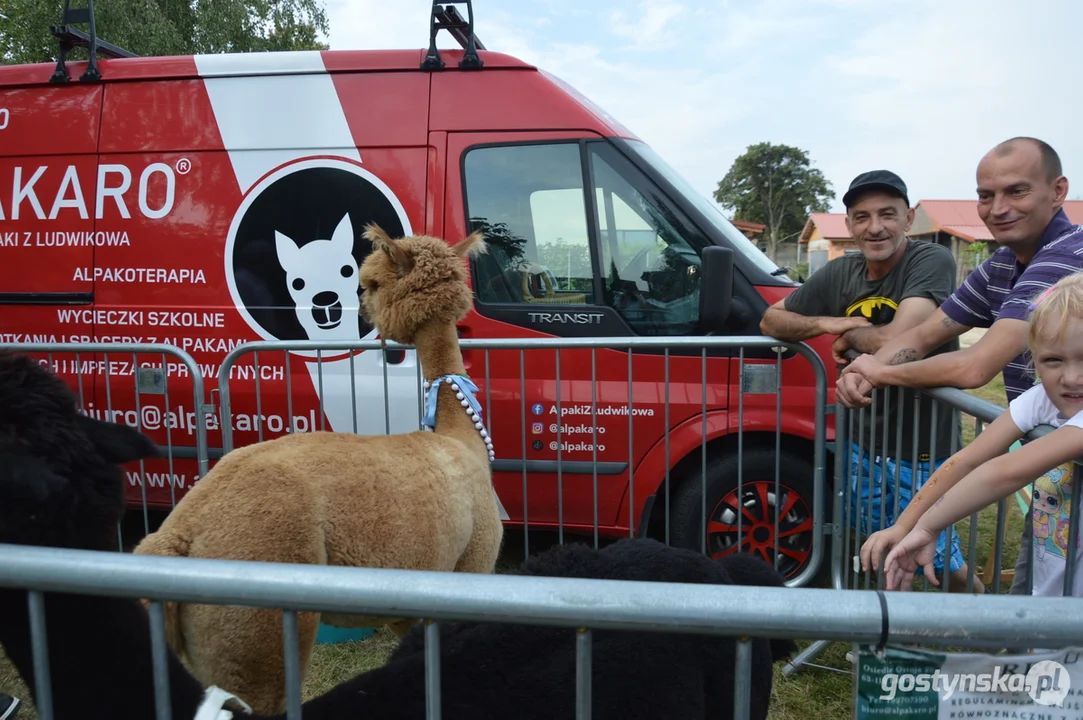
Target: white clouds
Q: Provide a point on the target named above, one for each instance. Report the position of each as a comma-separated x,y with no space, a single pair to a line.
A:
932,97
650,31
749,31
918,86
381,25
668,108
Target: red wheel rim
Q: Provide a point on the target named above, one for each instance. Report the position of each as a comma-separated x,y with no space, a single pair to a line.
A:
756,519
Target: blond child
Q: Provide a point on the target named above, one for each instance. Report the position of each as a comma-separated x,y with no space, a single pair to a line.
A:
984,471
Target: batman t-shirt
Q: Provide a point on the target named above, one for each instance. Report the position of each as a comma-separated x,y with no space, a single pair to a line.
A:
841,288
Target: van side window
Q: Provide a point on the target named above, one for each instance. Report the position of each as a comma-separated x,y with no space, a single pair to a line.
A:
649,250
529,202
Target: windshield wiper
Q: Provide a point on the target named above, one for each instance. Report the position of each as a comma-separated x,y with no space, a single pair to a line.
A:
783,270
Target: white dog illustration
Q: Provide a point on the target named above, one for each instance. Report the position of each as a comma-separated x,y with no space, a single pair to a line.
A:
322,280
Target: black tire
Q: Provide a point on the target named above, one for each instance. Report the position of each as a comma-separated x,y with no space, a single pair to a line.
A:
758,524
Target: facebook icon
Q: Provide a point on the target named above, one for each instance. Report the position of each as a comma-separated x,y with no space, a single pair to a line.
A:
537,409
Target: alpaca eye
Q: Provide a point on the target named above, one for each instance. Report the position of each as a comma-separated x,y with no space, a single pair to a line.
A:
298,284
346,271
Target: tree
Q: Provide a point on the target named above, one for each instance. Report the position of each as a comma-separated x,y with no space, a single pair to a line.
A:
774,185
499,237
166,27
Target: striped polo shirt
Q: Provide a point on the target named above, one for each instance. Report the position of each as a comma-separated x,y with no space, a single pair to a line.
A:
1002,287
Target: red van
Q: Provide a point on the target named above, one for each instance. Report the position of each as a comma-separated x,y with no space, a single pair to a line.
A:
209,201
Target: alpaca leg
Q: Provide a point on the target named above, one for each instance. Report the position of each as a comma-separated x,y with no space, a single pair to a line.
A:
483,550
307,626
241,650
480,556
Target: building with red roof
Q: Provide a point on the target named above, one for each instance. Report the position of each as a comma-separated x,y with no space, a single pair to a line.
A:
827,238
751,230
956,225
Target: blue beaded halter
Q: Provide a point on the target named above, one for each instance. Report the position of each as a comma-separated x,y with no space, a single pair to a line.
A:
464,390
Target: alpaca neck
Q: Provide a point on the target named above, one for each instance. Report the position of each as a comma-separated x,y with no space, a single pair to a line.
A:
438,350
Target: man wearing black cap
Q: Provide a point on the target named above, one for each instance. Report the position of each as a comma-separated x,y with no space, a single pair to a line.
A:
867,299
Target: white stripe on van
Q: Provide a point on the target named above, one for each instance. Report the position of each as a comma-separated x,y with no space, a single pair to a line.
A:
301,114
270,120
260,63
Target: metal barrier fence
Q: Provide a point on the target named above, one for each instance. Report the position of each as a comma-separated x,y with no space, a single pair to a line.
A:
635,379
868,471
645,419
585,604
940,400
141,379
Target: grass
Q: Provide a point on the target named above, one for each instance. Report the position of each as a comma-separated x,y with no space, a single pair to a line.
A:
331,664
12,684
821,690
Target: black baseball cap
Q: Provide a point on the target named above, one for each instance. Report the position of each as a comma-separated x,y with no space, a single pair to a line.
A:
880,179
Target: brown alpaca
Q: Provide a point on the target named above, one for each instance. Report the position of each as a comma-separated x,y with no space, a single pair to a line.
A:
420,500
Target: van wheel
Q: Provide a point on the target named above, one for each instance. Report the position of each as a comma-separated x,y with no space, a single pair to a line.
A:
756,508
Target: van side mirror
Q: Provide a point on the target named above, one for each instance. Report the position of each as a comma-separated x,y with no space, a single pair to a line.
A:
715,288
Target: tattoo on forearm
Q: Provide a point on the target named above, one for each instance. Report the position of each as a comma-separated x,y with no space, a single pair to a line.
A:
904,356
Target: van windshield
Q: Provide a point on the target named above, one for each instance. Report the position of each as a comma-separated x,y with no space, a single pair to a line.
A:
710,211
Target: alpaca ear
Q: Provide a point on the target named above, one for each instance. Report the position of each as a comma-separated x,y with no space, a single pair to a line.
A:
286,250
342,238
473,244
382,241
116,442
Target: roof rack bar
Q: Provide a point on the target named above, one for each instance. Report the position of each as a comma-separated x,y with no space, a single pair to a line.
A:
69,38
446,17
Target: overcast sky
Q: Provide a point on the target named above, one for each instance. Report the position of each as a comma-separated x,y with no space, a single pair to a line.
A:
921,87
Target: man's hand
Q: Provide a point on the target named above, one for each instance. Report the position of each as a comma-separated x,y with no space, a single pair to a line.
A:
853,391
838,326
839,349
869,367
857,380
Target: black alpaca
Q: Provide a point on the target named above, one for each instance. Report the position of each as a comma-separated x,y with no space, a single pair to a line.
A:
61,485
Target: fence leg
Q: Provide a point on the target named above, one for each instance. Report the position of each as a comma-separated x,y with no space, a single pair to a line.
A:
583,675
804,656
742,682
